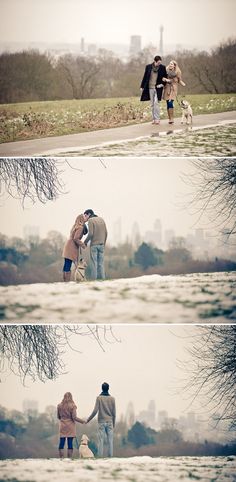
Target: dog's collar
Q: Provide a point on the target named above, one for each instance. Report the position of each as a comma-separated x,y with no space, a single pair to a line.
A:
83,444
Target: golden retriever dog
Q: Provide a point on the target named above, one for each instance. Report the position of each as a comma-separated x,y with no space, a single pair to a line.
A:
84,450
80,271
187,112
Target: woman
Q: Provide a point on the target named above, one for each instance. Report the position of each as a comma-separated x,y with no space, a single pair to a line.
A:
66,413
71,248
171,87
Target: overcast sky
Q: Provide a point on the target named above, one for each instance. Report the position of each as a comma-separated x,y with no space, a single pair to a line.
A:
137,190
203,23
141,367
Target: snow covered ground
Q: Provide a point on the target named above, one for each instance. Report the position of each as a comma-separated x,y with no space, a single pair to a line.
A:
187,141
192,298
134,469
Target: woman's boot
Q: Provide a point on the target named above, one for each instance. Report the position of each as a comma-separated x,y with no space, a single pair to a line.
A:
69,453
61,453
66,276
171,115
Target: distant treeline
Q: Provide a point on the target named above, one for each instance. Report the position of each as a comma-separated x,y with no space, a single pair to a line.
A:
34,76
37,261
33,434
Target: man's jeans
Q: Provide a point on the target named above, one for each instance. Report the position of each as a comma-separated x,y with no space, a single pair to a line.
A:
154,104
105,428
97,261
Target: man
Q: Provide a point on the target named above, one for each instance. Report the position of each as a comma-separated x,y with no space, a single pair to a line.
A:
97,235
152,86
106,408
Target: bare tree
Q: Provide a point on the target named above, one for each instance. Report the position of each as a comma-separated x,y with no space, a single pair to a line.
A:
214,183
34,178
81,74
36,351
212,370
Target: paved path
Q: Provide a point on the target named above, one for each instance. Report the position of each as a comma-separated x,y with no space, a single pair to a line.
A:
56,145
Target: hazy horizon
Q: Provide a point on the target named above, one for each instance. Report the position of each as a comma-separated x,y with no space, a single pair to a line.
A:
142,366
110,21
130,189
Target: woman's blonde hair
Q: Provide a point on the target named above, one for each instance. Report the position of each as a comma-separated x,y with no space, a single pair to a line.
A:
177,69
79,223
67,399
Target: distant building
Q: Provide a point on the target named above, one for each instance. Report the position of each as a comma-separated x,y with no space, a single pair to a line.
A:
117,237
92,49
31,233
82,46
30,406
162,418
148,416
161,50
135,235
135,44
169,234
155,236
130,415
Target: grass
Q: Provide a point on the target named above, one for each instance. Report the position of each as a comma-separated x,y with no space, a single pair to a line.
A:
31,120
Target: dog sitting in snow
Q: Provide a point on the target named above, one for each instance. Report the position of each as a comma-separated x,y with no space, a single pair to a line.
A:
84,450
187,112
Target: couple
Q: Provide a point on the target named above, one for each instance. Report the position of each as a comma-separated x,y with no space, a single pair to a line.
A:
161,82
106,409
96,235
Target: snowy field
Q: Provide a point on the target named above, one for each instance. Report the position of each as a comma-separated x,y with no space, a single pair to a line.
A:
135,469
192,298
186,141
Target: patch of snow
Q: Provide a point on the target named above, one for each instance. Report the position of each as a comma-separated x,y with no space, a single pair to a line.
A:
192,298
135,469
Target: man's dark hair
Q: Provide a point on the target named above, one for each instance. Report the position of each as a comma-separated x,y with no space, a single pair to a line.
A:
105,387
90,212
157,57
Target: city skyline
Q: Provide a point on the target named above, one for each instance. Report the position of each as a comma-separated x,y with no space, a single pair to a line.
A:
152,372
133,189
118,20
198,241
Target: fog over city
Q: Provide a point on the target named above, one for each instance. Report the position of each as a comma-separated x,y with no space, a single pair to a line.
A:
190,24
139,362
149,197
146,369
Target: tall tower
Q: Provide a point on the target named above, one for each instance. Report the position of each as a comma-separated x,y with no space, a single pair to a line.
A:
161,40
82,45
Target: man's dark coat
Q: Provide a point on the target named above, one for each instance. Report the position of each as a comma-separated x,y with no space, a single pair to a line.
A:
145,82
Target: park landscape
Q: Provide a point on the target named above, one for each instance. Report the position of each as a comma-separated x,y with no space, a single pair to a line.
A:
72,125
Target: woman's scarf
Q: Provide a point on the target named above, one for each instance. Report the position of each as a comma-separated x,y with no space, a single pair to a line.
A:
171,73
